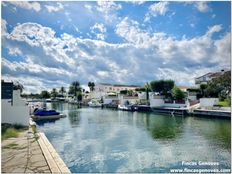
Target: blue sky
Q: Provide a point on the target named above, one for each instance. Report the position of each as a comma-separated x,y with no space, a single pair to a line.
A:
47,45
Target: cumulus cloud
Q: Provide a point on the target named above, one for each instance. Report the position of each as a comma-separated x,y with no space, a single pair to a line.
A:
99,30
51,8
27,5
3,27
201,6
143,56
156,9
109,10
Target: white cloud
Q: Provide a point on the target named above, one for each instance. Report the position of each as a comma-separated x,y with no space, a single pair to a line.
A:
192,25
143,57
99,27
137,2
27,5
214,29
201,6
51,8
109,10
100,30
89,7
3,27
156,9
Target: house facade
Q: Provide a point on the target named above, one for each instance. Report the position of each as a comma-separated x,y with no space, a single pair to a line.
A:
14,109
207,77
105,89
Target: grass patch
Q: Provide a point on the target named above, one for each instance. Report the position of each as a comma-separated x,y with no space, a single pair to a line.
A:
11,130
9,133
224,103
34,129
13,146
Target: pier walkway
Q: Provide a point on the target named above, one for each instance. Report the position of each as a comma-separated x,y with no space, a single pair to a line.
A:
31,153
23,155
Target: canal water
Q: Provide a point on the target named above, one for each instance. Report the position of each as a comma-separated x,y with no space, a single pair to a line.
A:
104,140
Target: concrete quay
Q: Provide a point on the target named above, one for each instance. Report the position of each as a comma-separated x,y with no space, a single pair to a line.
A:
23,155
31,153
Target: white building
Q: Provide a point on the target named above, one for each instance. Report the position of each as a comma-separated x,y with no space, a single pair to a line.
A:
207,77
14,109
103,89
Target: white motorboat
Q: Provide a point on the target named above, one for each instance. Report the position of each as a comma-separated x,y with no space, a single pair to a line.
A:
94,103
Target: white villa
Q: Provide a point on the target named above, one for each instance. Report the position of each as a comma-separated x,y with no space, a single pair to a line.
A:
207,77
14,109
106,89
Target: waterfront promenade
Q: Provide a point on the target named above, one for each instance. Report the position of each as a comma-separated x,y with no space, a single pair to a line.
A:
23,155
31,153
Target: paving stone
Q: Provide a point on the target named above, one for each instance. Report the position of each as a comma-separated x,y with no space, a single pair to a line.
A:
29,171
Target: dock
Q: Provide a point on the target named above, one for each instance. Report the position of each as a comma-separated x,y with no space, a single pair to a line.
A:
55,163
211,113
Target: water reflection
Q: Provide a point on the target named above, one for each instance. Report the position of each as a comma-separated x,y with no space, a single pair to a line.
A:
42,122
216,130
164,127
96,140
74,118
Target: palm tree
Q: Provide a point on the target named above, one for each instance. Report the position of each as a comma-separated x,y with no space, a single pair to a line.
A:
91,86
54,93
62,90
17,86
147,87
74,88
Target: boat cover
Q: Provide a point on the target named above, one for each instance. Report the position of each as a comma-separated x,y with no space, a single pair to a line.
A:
44,112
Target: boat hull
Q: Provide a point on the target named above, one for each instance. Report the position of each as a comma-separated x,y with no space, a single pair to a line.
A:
44,117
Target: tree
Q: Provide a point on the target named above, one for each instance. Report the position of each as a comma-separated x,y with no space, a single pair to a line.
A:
44,94
203,87
54,93
177,94
74,88
147,87
91,86
163,87
19,86
219,86
79,96
62,90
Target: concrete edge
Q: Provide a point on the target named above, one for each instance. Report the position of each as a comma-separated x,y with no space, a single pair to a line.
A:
55,163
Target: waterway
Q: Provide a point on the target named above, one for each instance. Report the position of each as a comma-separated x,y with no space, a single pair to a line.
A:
104,140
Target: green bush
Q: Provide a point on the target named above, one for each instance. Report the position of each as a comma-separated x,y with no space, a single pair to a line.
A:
9,133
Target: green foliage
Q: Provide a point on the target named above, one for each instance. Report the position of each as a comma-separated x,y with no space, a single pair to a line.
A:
44,94
203,88
140,89
123,92
162,86
62,90
219,86
9,133
54,93
34,129
91,86
127,92
19,127
17,86
74,88
197,90
177,93
79,96
224,103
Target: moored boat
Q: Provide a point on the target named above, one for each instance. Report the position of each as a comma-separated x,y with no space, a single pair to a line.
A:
94,103
46,114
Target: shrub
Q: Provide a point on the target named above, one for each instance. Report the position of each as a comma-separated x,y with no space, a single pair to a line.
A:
9,133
